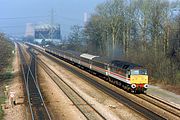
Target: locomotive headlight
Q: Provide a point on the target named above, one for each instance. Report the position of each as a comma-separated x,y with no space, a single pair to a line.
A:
146,85
133,86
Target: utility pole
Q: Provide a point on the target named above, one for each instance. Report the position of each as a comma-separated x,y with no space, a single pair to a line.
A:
54,28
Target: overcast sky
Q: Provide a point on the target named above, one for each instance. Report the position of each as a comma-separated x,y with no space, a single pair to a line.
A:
14,14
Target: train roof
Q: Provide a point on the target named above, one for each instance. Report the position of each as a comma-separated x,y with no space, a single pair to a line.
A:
75,53
57,50
88,56
102,60
125,65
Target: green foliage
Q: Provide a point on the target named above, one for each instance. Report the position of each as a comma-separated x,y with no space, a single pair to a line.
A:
1,113
7,75
6,48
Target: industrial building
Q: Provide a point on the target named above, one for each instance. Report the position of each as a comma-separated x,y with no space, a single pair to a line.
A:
47,32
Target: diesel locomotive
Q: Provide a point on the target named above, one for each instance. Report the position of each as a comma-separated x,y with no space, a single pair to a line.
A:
129,76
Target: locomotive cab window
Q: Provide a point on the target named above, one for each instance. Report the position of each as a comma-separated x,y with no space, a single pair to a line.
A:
138,72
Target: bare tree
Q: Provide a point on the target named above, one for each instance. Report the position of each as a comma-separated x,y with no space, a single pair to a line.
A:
136,30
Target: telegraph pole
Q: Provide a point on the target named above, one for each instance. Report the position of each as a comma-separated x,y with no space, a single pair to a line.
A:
54,28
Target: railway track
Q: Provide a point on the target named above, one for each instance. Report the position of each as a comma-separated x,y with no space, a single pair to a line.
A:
154,108
166,103
36,103
170,111
147,113
84,107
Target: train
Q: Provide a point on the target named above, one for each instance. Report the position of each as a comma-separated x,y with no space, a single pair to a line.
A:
128,76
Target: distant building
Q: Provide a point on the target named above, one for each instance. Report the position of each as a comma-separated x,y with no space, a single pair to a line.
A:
47,32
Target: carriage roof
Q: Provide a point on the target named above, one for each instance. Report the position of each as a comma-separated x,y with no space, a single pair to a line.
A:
88,56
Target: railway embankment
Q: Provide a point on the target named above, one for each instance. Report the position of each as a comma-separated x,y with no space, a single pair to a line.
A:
6,57
15,86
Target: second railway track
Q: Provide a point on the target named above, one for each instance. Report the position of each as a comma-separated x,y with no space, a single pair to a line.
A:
85,108
169,110
36,103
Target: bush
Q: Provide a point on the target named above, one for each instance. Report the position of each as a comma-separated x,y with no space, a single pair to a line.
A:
6,48
7,75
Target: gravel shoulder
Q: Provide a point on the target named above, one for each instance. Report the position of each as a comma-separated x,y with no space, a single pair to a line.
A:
110,108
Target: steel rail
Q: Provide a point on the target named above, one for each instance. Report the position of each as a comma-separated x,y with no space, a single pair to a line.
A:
37,87
25,80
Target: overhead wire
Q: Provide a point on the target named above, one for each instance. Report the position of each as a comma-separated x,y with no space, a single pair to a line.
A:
24,17
12,26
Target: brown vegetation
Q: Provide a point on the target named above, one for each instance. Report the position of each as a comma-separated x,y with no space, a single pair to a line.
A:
146,32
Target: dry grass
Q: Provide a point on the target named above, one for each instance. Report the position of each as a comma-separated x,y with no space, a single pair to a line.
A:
164,85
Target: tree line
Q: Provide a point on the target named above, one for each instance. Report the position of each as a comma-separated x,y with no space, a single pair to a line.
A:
139,31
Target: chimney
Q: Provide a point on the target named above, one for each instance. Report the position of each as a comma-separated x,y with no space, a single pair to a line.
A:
29,30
